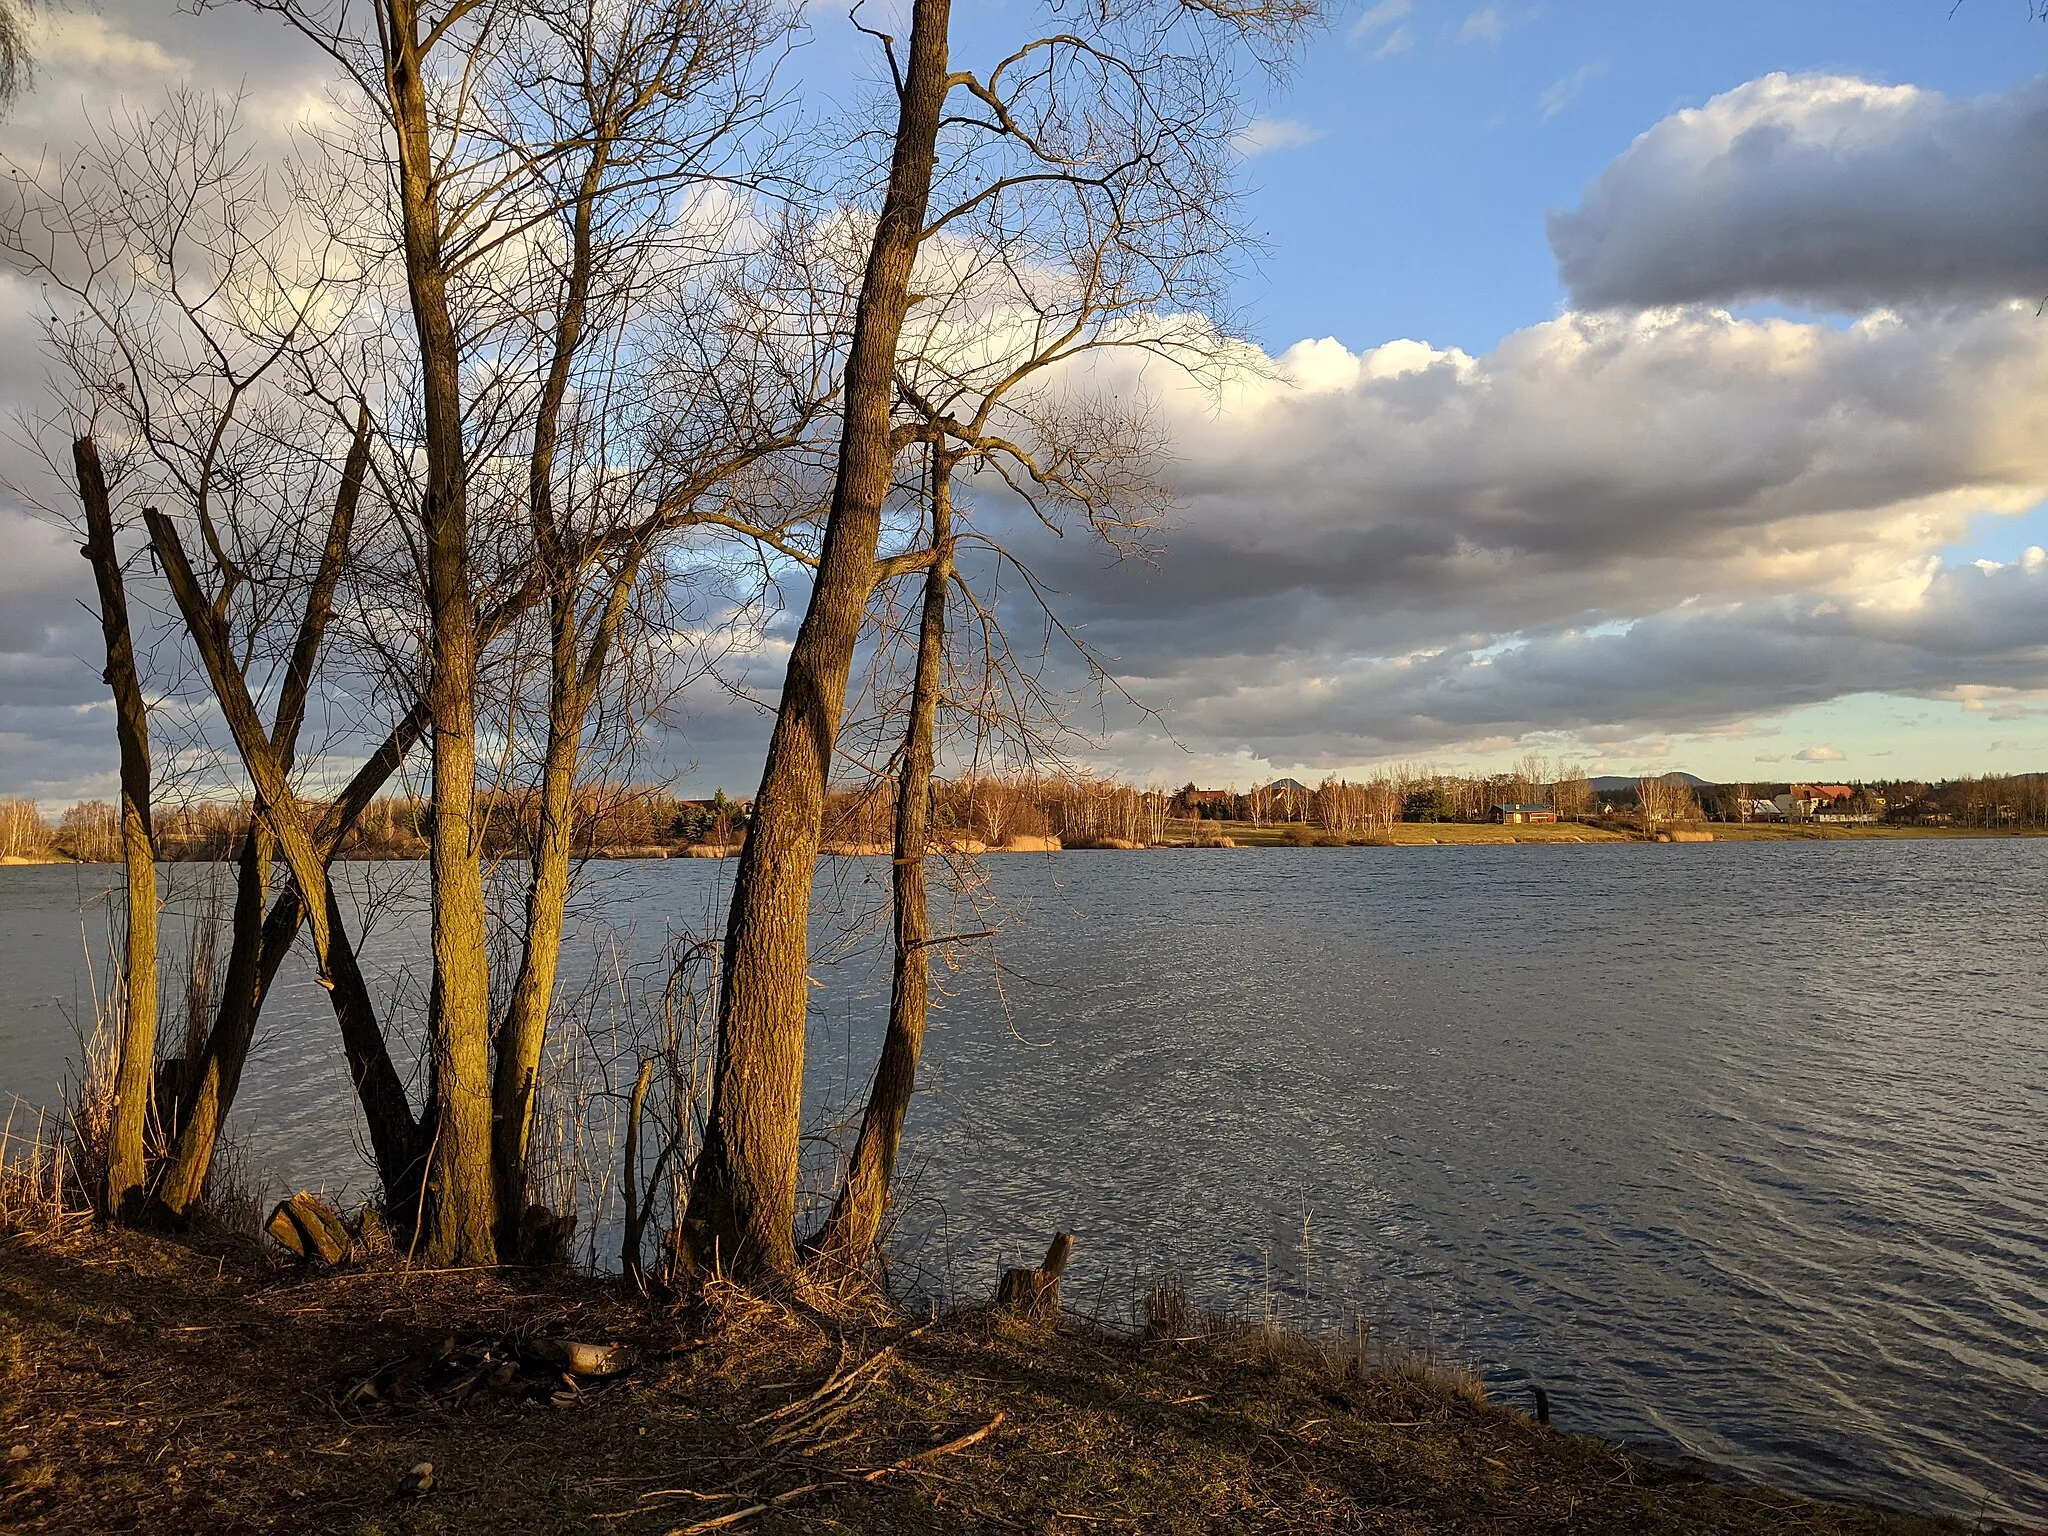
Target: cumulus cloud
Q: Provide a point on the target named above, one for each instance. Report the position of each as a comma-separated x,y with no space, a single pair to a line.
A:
1608,526
1821,189
1595,467
1643,519
1819,755
1685,670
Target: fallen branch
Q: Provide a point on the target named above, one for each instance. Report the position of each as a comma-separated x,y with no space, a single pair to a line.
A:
726,1522
973,1437
737,1517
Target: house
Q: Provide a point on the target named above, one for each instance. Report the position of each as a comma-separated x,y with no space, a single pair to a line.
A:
1825,796
1518,815
1762,810
1803,800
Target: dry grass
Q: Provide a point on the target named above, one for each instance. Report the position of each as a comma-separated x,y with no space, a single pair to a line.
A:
155,1386
1414,833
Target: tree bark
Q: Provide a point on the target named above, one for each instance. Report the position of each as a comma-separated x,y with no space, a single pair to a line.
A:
574,679
257,951
127,1173
855,1225
523,1036
388,1114
219,1071
460,1205
630,1240
742,1210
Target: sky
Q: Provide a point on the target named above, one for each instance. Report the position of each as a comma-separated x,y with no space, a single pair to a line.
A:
1651,386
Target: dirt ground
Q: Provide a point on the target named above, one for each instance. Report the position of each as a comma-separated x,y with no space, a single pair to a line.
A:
151,1385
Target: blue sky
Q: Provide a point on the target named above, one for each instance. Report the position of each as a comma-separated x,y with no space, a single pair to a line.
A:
1646,385
1422,146
1420,210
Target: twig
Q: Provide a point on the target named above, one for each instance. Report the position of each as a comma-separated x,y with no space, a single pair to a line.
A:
723,1522
972,1437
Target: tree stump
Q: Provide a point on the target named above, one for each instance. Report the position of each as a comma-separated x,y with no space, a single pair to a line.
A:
307,1227
1035,1293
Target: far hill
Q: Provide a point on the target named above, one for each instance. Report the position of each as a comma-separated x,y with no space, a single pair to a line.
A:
1615,783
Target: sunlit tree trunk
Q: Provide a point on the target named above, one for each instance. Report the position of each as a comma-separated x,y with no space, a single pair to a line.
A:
459,1205
258,945
742,1210
575,676
127,1173
855,1225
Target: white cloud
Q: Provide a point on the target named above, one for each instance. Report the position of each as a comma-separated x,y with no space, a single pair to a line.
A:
1820,189
1383,14
84,43
1568,90
1400,40
1620,528
1485,26
1819,755
1263,135
1616,530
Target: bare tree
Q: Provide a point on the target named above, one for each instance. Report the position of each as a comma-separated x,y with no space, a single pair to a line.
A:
540,159
211,323
1664,799
187,297
1572,794
983,374
126,1171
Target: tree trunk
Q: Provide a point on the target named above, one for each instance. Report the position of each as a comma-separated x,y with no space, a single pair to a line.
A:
460,1204
743,1197
136,1064
855,1225
385,1108
523,1036
259,945
524,1032
630,1240
219,1069
573,687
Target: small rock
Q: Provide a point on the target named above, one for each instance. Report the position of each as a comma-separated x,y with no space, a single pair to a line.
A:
419,1481
17,1453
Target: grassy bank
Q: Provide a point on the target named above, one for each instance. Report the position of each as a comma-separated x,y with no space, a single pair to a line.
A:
148,1385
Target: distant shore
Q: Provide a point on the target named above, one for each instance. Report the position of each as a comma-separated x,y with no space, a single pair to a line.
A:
1239,835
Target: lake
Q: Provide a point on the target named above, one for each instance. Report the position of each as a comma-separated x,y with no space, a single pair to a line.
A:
1738,1150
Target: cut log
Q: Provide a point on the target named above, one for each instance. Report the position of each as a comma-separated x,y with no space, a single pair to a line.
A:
307,1227
580,1359
1035,1293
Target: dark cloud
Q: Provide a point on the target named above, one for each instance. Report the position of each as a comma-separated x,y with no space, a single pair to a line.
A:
1965,635
1624,521
1821,190
1589,469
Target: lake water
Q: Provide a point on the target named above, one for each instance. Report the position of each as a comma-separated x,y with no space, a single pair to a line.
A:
1736,1149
